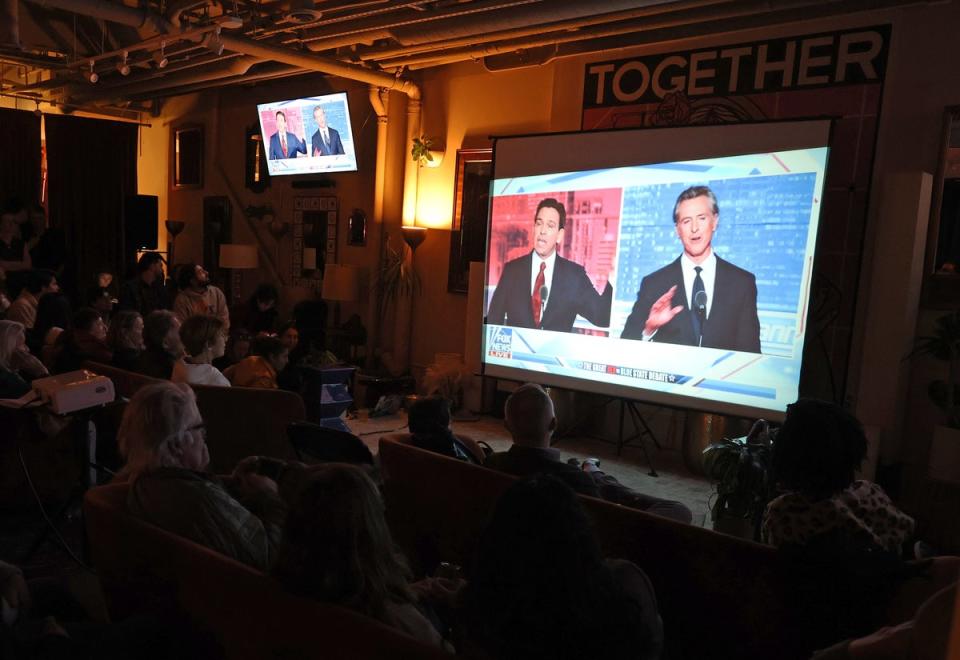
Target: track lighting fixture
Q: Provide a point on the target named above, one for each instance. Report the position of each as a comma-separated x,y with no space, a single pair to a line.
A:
123,66
160,59
92,76
213,43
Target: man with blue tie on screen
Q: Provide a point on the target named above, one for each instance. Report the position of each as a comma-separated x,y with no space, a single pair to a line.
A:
284,144
542,289
698,299
326,141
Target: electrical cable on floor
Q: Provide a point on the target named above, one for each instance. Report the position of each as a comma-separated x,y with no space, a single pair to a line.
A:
43,512
399,428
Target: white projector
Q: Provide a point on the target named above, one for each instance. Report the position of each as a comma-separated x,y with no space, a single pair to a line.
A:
74,390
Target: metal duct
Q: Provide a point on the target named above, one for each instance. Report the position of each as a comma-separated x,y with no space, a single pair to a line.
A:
110,11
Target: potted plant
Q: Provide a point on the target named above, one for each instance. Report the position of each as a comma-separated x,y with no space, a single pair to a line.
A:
445,378
944,345
740,468
424,150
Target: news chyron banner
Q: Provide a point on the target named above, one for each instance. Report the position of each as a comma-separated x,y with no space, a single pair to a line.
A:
836,75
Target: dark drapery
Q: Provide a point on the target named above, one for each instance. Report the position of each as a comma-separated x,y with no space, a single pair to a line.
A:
20,163
91,169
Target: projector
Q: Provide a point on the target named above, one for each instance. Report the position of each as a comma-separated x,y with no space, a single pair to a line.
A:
74,390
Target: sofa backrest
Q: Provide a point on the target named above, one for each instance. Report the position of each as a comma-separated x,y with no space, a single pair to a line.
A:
243,613
125,383
719,596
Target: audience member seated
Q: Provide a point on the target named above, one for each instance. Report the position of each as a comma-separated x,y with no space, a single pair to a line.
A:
260,369
14,252
86,340
17,366
290,377
290,337
24,308
815,456
162,345
163,440
337,549
259,313
529,416
100,299
125,339
238,348
204,341
53,318
146,292
429,422
539,587
197,297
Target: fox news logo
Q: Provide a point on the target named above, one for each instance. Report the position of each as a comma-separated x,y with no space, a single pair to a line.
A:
501,343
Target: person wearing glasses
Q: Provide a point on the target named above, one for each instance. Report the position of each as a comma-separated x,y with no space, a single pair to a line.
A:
698,299
163,439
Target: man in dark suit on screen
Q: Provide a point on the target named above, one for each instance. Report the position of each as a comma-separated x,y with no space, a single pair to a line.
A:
284,144
326,141
542,289
699,299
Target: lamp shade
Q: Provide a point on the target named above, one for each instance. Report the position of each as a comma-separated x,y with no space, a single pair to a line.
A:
341,282
234,255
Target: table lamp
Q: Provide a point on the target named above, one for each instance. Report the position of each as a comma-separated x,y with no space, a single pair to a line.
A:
238,257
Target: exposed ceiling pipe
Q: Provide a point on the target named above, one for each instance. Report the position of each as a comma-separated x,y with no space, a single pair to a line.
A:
549,21
328,8
321,64
176,9
273,72
113,12
9,24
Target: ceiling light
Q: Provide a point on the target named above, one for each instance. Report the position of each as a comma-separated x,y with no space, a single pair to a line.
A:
92,76
213,42
302,11
160,59
123,65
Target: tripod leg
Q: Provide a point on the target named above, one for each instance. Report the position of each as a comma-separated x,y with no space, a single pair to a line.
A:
639,422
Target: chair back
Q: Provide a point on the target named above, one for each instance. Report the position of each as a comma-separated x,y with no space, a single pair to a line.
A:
243,613
313,442
126,383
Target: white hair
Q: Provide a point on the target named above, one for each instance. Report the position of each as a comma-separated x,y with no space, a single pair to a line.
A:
155,427
10,333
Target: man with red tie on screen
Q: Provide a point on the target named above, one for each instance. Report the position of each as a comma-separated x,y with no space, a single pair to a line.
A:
542,289
698,299
284,144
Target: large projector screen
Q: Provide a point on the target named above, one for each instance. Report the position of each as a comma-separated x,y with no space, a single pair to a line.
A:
665,265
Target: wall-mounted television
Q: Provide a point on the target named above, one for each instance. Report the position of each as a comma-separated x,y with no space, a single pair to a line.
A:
677,262
308,135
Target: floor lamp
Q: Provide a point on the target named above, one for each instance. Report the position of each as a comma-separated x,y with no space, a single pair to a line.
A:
238,257
341,283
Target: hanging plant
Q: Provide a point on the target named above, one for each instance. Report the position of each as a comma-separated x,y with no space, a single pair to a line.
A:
420,151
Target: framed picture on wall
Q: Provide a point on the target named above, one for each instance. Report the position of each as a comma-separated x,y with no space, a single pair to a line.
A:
471,201
187,157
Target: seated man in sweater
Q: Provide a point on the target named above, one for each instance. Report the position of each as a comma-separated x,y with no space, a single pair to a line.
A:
529,416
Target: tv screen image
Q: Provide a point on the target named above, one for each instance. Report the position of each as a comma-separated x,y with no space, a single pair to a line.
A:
308,136
683,281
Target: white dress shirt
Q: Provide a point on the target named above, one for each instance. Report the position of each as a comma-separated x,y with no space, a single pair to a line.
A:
708,274
547,273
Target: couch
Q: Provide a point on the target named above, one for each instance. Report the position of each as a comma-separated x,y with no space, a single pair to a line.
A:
235,611
720,596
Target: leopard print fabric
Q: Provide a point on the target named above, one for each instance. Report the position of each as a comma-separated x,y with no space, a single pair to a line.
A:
862,510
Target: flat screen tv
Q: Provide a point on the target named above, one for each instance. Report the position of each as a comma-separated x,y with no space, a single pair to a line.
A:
677,262
308,136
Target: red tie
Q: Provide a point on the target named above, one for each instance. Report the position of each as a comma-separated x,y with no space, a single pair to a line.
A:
536,302
283,145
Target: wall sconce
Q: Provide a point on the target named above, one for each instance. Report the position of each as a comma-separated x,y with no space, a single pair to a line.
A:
436,156
160,59
123,66
92,76
414,236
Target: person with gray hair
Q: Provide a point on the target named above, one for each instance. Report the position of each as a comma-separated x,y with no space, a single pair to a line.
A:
698,299
17,365
530,418
163,439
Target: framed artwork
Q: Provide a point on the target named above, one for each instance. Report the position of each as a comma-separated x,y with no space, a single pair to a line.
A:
314,239
471,202
187,160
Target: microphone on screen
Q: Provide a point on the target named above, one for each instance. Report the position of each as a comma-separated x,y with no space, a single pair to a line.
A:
700,304
543,301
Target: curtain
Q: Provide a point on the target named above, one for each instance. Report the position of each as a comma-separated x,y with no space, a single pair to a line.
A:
91,170
20,163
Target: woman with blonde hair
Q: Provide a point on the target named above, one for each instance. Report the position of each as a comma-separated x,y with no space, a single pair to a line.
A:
163,439
337,549
204,341
17,365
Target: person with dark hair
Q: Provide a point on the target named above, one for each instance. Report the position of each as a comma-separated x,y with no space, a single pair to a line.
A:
815,457
204,341
24,308
326,140
125,339
100,299
269,357
162,345
542,289
529,416
86,340
14,252
54,316
429,422
336,547
698,299
17,365
147,291
198,297
284,144
259,313
539,587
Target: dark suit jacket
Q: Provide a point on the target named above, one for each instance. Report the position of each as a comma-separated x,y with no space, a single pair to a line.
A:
294,144
732,324
320,149
571,293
